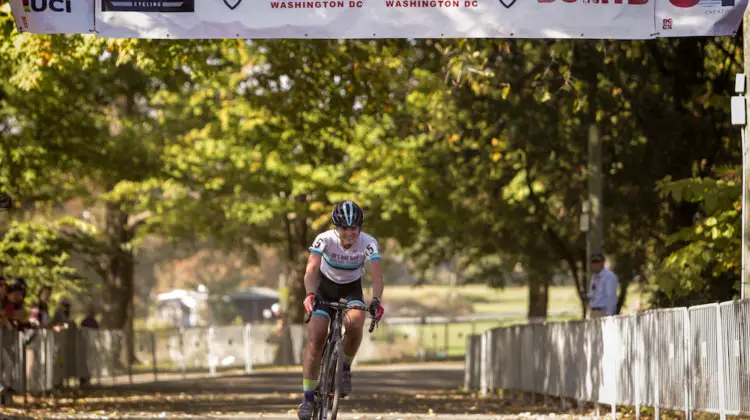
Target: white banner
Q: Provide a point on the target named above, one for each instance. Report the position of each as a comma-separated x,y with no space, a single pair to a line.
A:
551,19
631,19
53,16
680,18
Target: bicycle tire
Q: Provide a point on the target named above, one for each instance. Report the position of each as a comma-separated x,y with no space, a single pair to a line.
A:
338,360
316,413
323,385
330,382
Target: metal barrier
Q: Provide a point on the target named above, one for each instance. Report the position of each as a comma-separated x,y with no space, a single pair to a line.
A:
11,373
686,359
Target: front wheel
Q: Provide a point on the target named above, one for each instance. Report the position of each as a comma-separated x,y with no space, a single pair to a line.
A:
339,378
317,413
321,395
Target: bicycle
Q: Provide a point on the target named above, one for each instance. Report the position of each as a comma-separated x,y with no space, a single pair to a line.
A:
331,374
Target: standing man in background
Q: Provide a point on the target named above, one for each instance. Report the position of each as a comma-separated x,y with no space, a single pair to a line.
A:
602,288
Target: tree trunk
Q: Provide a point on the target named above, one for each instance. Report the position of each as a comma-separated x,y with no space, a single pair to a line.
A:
628,266
581,283
296,312
117,308
297,245
538,296
585,284
623,292
118,285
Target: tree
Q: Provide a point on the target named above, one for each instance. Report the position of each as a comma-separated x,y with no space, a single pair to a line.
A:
40,253
275,159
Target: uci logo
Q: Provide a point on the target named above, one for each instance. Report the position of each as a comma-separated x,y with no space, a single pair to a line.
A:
42,5
691,3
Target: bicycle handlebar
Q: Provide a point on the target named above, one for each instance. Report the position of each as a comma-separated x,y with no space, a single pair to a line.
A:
343,305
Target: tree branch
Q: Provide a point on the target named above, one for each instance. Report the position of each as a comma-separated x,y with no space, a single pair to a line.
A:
138,220
657,56
566,254
727,54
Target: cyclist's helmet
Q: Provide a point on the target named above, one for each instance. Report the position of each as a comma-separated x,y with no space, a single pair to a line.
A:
347,214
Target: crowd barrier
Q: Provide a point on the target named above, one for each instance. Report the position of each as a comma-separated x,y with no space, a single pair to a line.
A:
686,359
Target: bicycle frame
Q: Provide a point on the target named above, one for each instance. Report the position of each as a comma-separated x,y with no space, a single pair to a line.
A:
330,376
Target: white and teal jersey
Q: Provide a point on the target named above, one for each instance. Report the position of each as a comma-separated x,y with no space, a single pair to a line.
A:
344,265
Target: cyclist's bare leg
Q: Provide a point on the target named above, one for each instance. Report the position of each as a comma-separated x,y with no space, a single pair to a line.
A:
354,322
317,331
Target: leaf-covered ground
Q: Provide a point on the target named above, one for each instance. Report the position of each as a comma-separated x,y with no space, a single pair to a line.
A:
380,393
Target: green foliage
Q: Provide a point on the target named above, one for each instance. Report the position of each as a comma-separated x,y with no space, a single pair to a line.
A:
40,252
467,152
711,247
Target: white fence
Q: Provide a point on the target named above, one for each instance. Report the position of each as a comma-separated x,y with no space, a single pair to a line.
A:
687,359
43,360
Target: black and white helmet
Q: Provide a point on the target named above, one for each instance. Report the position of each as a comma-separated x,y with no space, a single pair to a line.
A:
347,214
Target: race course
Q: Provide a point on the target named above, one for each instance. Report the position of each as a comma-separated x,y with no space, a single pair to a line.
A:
426,391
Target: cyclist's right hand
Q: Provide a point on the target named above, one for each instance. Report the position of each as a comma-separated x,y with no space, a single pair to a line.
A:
308,303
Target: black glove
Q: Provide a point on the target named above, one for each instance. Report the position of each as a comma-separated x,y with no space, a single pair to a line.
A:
375,309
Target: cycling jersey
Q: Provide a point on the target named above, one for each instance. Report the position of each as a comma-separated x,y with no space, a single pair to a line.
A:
343,265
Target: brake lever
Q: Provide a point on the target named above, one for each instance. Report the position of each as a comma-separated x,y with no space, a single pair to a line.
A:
373,324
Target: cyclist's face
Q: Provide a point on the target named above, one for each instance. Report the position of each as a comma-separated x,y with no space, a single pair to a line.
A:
348,235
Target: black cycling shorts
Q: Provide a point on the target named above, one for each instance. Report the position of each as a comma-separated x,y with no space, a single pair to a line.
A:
330,291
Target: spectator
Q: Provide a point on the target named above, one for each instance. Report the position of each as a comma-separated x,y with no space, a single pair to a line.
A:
90,320
6,390
602,288
3,293
16,290
3,301
62,314
40,311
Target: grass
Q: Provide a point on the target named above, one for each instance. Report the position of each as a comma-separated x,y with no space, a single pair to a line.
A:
481,299
445,341
439,340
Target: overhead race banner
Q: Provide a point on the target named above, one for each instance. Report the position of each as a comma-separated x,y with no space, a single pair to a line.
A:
550,19
54,16
626,19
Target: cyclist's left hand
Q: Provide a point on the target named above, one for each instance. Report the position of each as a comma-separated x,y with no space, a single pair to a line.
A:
376,309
